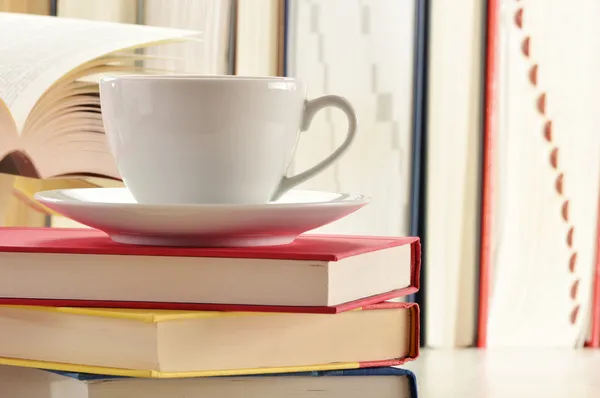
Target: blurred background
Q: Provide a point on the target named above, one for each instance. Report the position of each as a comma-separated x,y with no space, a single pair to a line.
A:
478,133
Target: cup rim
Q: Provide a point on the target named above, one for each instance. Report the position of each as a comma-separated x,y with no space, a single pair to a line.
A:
198,77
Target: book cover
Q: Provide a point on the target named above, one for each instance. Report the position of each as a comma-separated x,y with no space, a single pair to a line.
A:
91,241
379,371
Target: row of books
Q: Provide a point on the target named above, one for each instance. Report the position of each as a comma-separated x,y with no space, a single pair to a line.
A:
84,317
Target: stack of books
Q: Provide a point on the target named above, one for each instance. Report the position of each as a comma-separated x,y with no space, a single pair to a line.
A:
84,317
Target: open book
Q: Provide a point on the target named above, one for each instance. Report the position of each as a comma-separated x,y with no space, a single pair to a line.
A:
50,121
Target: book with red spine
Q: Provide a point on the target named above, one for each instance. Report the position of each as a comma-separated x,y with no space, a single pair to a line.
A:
594,337
83,268
489,137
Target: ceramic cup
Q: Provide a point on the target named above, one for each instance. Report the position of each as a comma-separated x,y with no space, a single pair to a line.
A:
206,139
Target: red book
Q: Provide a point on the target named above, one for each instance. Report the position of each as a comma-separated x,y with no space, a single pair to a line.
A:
489,136
594,338
315,274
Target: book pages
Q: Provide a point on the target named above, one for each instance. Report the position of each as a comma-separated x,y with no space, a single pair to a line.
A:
547,175
8,130
362,50
36,51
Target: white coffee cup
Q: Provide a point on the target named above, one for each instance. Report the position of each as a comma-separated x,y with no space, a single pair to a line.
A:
211,139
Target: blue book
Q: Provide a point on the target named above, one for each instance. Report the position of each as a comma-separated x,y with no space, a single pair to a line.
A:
383,382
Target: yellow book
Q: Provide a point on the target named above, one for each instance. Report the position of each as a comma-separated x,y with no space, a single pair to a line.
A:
25,188
180,344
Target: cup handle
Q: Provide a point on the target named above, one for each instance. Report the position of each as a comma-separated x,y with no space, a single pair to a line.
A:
310,109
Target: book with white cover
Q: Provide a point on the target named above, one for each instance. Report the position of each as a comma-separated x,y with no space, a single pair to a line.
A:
545,176
454,132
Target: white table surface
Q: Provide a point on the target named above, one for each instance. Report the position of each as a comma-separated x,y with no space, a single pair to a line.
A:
510,373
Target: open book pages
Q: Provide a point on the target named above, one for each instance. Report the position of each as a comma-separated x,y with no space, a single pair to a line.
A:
546,174
50,117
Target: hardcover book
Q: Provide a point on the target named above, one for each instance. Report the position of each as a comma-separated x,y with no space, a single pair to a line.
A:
176,344
382,382
318,273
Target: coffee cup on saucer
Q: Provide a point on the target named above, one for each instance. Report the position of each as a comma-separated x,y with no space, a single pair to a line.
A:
211,139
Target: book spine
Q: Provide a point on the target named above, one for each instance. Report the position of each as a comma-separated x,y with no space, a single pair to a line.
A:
489,135
594,341
419,132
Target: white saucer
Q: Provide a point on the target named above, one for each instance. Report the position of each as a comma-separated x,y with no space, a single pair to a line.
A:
114,211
